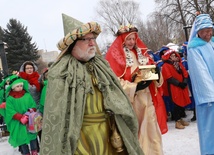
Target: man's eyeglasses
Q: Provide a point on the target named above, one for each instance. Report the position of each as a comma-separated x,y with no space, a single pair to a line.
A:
87,40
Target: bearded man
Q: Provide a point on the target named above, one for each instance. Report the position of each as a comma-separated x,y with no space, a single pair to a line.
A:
81,89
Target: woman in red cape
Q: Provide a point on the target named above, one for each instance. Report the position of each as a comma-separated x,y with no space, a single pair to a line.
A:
125,54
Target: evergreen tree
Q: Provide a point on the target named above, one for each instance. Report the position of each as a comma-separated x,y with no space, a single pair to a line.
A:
1,33
20,48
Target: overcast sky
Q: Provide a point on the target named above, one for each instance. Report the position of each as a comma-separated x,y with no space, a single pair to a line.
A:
43,18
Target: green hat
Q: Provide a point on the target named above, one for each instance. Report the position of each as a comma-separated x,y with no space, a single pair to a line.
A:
14,81
5,81
70,23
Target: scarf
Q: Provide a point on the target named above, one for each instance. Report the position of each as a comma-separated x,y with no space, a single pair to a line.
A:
17,94
33,79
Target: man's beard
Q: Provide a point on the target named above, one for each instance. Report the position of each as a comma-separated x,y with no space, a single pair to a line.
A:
85,55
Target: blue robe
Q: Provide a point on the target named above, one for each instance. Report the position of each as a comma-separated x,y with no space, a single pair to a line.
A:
201,70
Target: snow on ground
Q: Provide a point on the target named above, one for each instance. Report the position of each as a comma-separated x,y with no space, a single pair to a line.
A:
175,141
181,141
6,149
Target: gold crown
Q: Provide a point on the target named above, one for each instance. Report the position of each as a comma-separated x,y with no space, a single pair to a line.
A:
125,29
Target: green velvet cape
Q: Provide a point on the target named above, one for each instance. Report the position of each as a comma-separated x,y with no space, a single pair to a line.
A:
68,86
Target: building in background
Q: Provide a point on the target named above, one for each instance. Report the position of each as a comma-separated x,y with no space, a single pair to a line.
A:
49,56
45,59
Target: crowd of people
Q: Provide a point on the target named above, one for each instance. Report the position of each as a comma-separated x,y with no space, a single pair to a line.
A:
113,105
20,98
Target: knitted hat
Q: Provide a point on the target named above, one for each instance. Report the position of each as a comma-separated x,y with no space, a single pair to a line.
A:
203,21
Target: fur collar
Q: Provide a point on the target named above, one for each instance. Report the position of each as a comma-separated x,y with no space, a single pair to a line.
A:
198,42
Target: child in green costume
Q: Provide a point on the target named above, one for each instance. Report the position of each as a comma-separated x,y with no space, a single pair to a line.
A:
44,83
3,85
19,101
